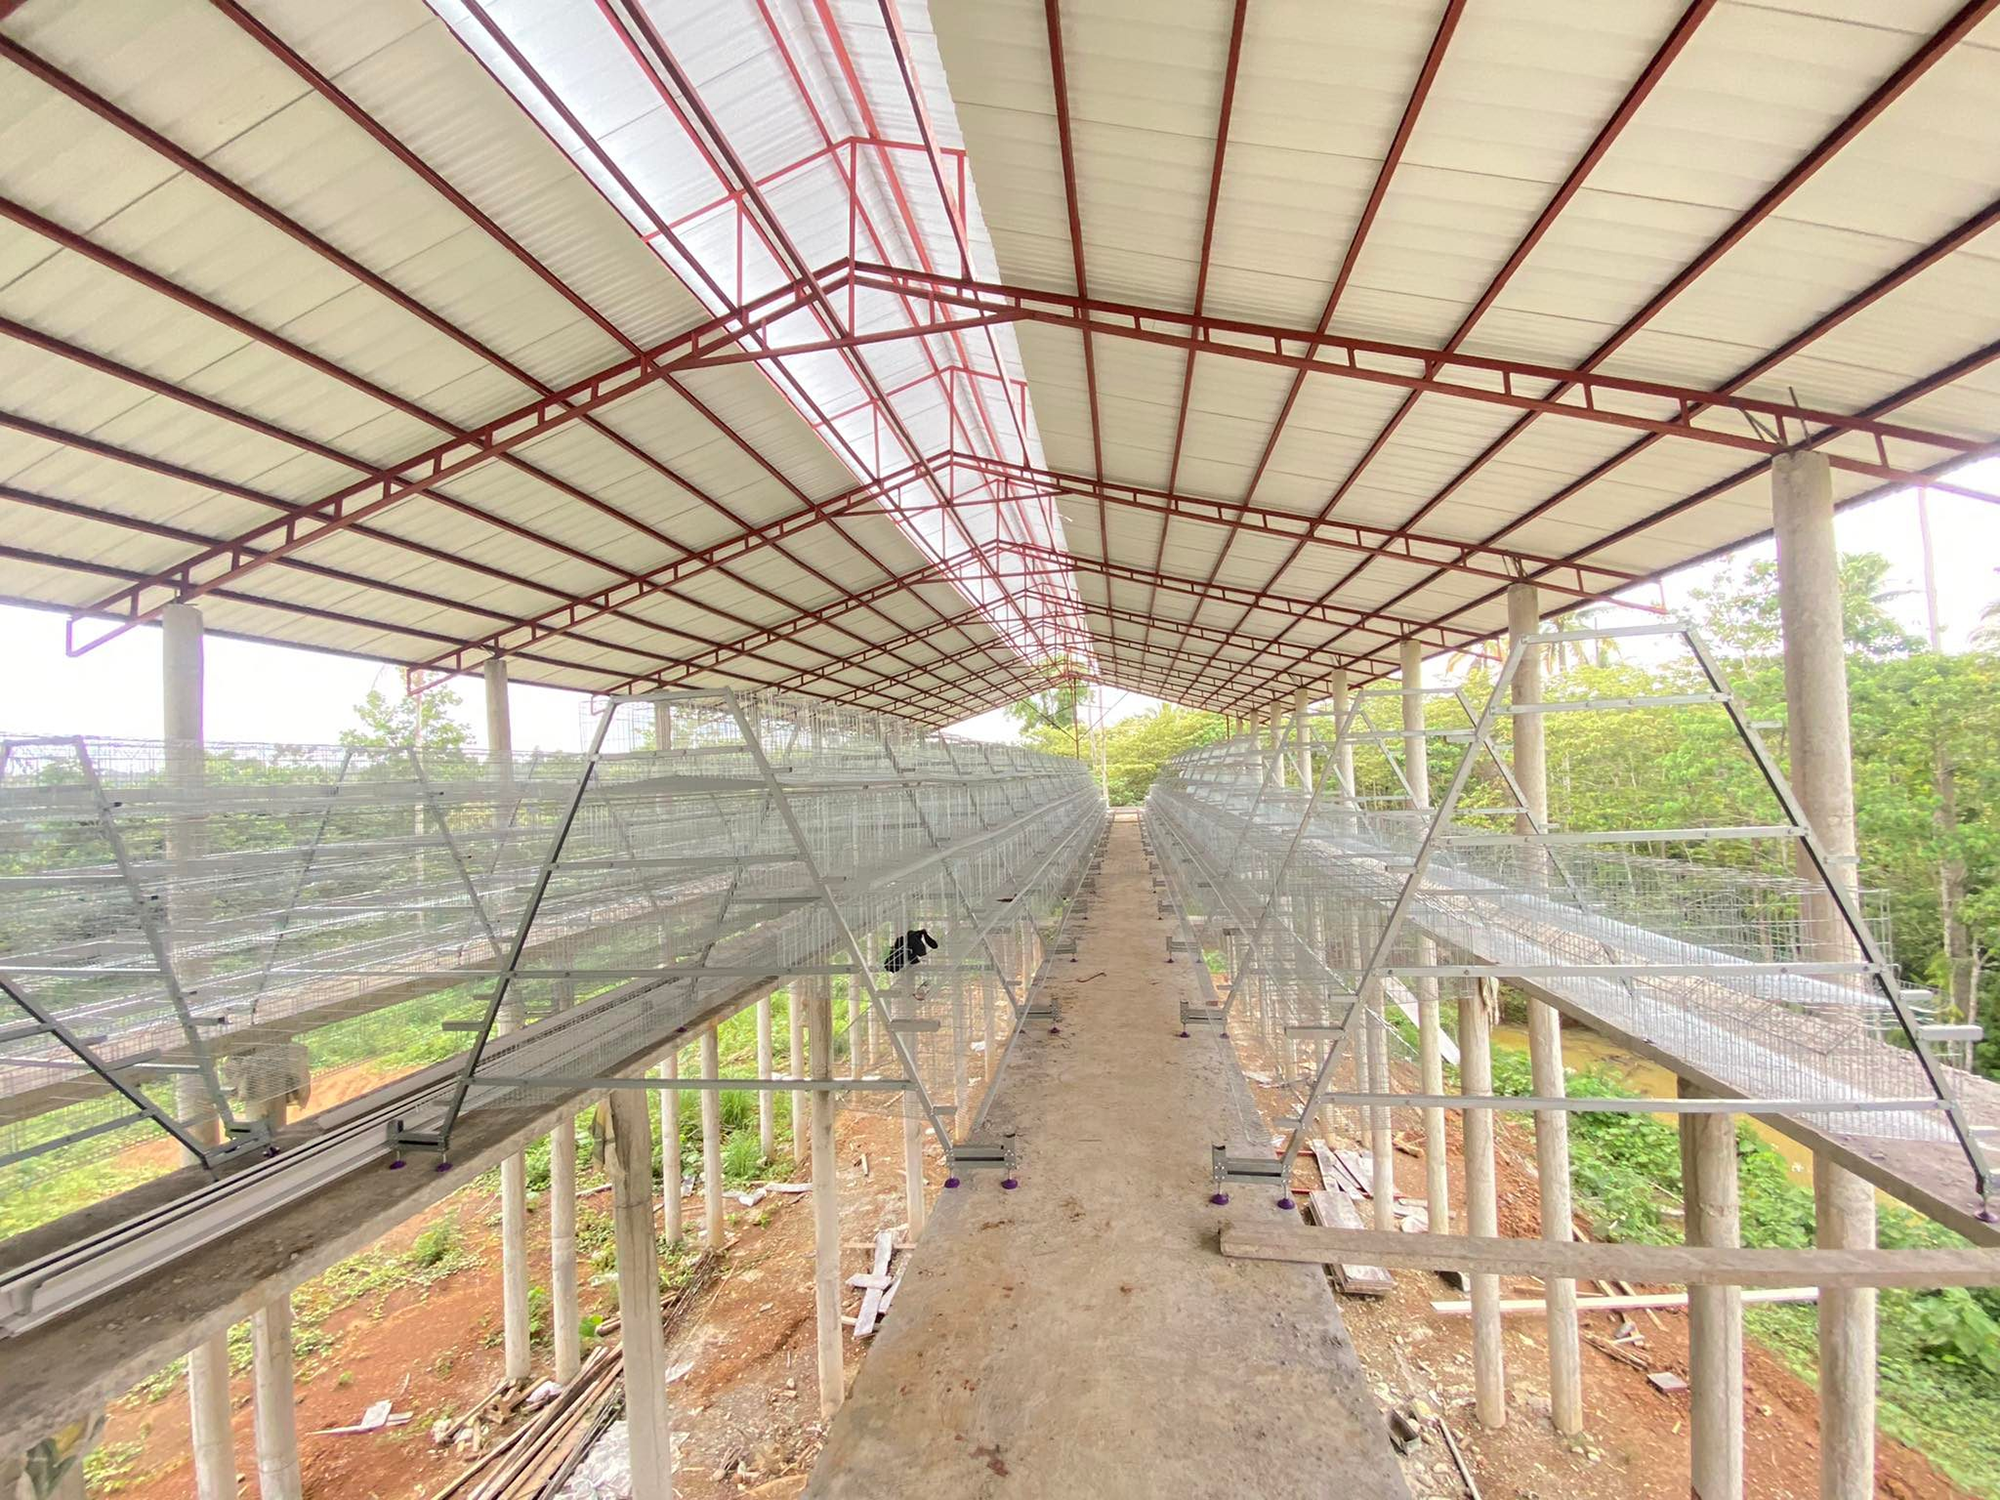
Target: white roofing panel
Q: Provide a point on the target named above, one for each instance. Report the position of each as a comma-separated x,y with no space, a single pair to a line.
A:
1524,86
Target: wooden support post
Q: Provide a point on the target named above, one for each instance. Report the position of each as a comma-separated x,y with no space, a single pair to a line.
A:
1715,1313
274,1383
961,1041
913,1165
565,1312
826,1208
1552,1171
1482,1209
796,1000
987,1000
1381,1131
514,1263
647,1420
1844,1219
213,1444
670,1149
1430,1063
711,1141
278,1472
767,1102
182,698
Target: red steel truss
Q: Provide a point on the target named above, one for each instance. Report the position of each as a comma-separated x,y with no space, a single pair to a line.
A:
1027,607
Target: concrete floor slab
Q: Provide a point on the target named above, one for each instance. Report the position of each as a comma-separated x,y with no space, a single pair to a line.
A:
1082,1336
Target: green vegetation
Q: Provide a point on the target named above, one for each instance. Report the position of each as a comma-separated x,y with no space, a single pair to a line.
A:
1135,748
110,1467
370,1277
1939,1352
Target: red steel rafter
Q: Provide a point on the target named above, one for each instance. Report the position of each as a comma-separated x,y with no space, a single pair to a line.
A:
1605,400
329,91
732,175
1059,86
1401,544
1391,159
1964,234
660,68
1900,80
1226,108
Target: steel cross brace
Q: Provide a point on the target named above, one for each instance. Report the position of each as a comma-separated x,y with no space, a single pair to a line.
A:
114,836
439,1140
957,889
845,932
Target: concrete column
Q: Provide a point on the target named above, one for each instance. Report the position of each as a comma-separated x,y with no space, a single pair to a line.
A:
1822,774
1274,740
1482,1209
1300,704
826,1207
767,1101
1343,746
513,1169
711,1142
795,1025
647,1422
1416,749
1715,1313
182,714
278,1474
663,727
499,722
670,1149
182,669
1545,1059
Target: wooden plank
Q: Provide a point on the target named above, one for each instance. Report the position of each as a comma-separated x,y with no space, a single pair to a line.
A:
1638,1302
1335,1211
1673,1265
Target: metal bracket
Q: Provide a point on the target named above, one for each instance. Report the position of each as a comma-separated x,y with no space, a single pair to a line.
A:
1226,1168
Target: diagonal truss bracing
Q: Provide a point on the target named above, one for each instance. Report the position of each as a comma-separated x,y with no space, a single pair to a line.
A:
1734,953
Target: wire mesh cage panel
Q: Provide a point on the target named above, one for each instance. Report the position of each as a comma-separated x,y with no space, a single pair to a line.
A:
199,943
1726,943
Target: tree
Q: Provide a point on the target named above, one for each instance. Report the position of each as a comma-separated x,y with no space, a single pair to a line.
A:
394,723
1739,610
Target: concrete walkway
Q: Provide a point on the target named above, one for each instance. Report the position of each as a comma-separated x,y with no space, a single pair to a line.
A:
1082,1336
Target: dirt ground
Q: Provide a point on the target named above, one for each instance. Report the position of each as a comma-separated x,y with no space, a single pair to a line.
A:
1634,1443
746,1410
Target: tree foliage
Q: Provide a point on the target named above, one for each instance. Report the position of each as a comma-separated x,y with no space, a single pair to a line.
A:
388,723
1134,748
1913,710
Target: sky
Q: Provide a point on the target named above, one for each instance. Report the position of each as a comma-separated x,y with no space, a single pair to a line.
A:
258,692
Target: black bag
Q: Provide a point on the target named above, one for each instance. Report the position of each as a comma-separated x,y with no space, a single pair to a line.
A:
908,949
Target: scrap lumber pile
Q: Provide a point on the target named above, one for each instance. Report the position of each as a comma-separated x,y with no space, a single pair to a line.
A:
878,1287
535,1460
532,1462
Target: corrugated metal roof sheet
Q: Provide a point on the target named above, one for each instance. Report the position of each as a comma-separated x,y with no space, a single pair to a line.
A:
532,198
